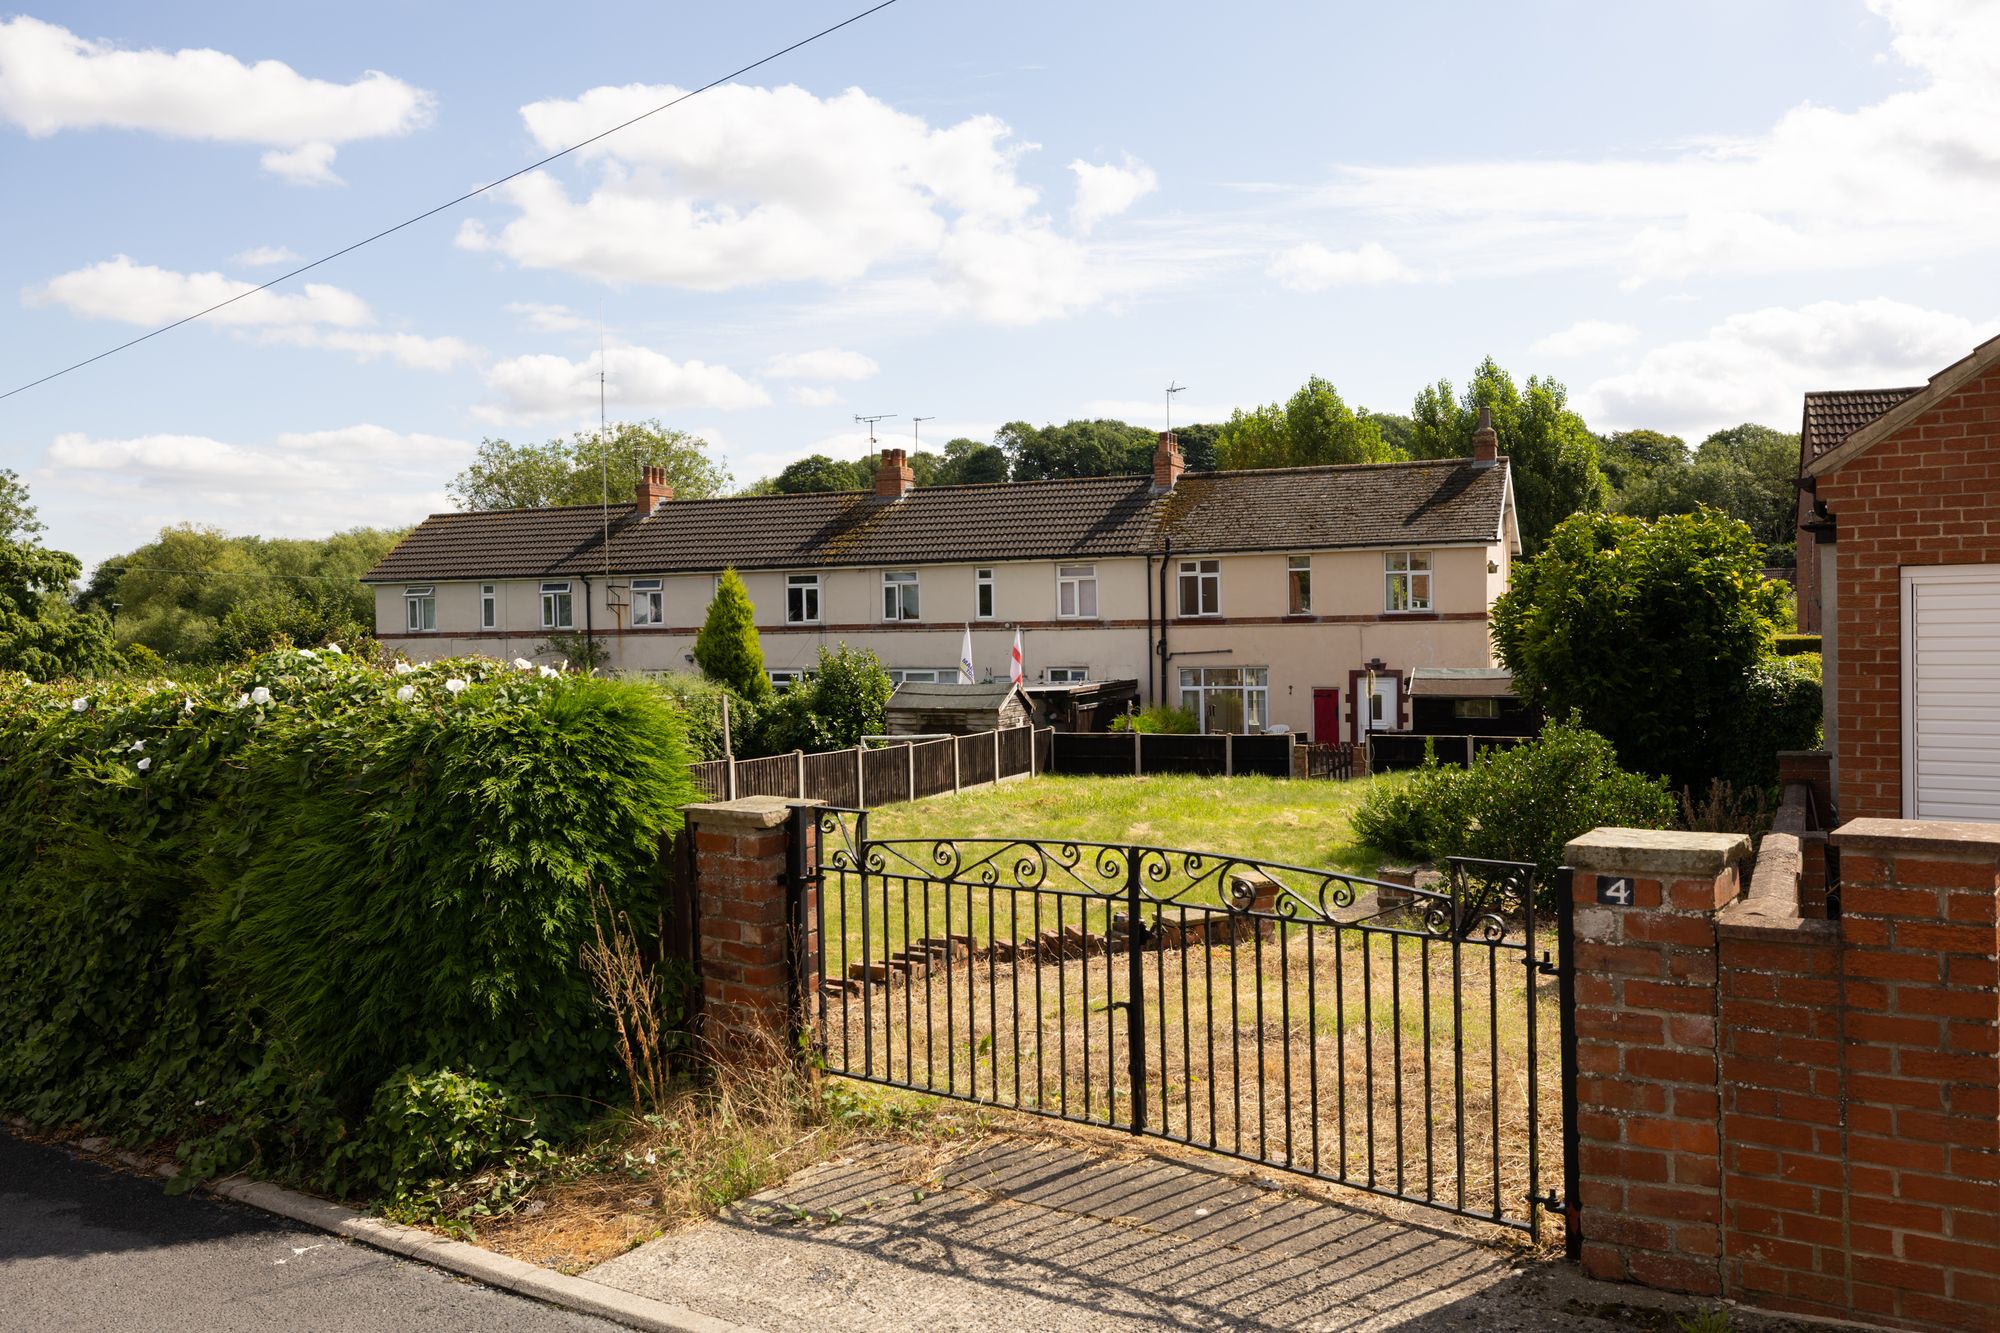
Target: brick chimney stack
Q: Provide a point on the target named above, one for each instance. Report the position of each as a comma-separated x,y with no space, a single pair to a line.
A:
1167,462
653,490
894,478
1485,440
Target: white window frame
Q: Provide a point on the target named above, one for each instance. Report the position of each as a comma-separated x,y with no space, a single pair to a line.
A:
783,678
984,598
558,606
923,675
1066,675
489,606
1486,709
1413,570
1205,578
649,603
420,612
902,599
1252,687
1076,592
803,594
1295,604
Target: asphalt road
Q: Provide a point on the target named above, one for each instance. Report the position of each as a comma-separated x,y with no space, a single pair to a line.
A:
85,1247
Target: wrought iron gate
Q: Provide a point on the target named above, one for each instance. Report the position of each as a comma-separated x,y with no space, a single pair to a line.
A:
1388,1038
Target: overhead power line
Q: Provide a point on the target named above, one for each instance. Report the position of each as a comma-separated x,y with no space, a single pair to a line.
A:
453,203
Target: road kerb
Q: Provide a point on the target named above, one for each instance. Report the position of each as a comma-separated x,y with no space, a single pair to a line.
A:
481,1265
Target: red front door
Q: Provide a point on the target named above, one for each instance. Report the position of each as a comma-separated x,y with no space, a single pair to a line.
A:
1326,716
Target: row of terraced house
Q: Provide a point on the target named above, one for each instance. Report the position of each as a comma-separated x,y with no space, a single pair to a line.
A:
1263,599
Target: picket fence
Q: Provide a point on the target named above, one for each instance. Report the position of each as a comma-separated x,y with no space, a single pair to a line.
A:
865,777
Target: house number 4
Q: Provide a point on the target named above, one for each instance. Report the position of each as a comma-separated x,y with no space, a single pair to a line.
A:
1615,892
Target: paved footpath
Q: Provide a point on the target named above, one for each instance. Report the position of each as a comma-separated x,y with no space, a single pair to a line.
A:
85,1247
1035,1233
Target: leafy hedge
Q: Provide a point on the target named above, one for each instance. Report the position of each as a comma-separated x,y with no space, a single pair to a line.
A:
231,913
1520,804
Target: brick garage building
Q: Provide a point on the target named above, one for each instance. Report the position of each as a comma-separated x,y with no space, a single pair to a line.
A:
1904,516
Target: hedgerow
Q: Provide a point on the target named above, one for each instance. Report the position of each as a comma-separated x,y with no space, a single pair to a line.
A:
234,910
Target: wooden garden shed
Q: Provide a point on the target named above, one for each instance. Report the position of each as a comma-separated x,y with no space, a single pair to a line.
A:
918,709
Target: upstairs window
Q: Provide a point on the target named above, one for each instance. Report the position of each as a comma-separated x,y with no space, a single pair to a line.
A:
1406,578
1299,584
802,599
1201,587
1076,592
982,595
1067,675
420,609
489,606
558,610
923,675
649,602
899,596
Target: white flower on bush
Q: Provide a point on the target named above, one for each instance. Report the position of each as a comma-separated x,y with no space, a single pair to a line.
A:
260,696
145,764
550,673
404,668
523,664
454,685
307,652
242,701
334,648
79,705
187,705
137,746
406,693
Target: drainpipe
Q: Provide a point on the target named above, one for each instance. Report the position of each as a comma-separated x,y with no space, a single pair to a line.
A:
588,639
1152,665
1166,559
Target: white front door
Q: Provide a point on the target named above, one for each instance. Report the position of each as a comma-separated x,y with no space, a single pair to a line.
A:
1951,692
1385,706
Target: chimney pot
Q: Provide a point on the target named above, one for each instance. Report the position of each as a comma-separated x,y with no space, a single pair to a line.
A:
1168,464
1485,440
894,477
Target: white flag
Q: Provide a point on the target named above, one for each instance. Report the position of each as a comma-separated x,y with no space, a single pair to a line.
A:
1014,668
965,659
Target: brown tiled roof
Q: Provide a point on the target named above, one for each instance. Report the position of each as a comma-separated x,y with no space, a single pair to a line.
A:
495,543
1270,509
1833,415
1313,508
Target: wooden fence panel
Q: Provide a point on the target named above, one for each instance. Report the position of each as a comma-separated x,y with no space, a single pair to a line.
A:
1017,751
712,776
887,772
975,759
936,767
830,777
774,775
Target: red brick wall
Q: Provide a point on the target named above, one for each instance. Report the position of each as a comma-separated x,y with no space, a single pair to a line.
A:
749,998
1927,495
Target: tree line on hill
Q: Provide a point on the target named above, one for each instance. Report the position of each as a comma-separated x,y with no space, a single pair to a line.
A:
198,595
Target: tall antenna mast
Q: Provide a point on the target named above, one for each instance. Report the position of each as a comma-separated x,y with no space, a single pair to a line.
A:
603,445
880,416
914,423
1172,389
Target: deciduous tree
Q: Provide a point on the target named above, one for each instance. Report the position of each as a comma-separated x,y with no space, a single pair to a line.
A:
1312,427
587,467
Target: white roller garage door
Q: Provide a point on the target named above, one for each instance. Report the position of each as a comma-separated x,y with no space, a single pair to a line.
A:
1951,692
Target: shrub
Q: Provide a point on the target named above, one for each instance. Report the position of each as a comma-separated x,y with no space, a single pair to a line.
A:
727,649
1780,710
1526,803
1159,718
845,697
1648,631
1787,645
425,1129
1398,814
700,701
230,911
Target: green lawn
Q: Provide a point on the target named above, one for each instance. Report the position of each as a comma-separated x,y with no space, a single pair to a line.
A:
1268,819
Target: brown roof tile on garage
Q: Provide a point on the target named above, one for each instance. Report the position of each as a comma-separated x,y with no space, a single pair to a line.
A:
1833,415
1274,509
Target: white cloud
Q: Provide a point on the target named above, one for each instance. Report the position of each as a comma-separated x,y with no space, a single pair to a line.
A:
544,385
1312,267
548,318
133,293
804,395
308,164
266,256
53,80
1756,366
1105,190
1586,337
751,186
825,363
189,458
317,315
1916,172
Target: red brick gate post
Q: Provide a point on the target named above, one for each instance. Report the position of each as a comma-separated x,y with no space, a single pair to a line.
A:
754,930
1647,1059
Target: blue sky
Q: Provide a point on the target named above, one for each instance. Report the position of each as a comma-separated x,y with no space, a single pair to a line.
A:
1689,214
